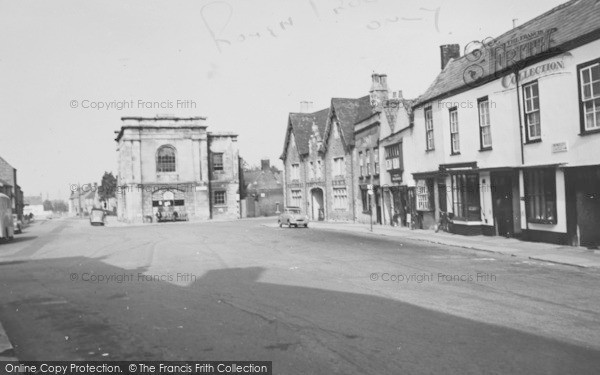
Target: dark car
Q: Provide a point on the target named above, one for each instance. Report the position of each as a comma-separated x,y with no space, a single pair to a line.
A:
97,217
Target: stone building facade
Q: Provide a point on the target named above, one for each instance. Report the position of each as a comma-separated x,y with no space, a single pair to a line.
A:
318,159
176,167
264,191
9,187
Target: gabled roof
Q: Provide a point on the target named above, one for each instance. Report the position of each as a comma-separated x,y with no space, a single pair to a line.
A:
570,25
392,106
349,112
262,179
301,125
34,200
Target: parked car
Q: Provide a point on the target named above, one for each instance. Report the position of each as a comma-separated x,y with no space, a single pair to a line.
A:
292,216
97,216
17,224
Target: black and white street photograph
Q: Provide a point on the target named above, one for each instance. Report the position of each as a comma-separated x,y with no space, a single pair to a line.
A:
291,187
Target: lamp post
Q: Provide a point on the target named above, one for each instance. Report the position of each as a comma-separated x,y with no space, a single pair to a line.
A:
370,193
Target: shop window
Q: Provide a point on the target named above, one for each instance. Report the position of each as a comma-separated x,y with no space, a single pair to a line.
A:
540,195
424,199
465,197
165,159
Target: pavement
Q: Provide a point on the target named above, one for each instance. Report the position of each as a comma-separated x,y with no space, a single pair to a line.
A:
559,254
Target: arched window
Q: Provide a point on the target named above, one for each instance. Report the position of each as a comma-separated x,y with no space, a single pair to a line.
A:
165,159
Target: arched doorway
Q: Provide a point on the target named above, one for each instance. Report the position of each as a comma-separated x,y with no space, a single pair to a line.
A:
318,208
169,204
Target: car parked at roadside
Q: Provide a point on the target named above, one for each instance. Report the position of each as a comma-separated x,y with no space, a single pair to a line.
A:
292,216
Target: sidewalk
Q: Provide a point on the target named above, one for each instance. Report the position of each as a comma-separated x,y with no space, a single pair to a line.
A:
6,350
560,254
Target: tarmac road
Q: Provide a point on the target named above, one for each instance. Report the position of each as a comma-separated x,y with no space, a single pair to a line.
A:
312,301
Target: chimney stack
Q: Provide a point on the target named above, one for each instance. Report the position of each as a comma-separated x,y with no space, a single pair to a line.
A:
265,164
379,88
449,51
306,107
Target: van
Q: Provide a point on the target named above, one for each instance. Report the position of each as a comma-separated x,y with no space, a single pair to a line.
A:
7,230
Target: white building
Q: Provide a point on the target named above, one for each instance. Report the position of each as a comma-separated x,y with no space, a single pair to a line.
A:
509,137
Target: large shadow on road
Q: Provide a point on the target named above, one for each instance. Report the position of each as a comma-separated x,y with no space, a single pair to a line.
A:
51,313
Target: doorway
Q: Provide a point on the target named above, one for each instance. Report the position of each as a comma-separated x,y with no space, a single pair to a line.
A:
502,200
318,208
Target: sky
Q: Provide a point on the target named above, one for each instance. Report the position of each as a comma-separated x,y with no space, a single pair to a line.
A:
69,70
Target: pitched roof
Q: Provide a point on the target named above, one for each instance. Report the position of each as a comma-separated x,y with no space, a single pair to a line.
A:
568,24
301,125
350,112
261,179
4,183
34,200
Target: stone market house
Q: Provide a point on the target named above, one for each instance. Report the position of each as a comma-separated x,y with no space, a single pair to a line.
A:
175,166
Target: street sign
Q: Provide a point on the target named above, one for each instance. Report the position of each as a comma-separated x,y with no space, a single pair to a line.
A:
370,187
370,192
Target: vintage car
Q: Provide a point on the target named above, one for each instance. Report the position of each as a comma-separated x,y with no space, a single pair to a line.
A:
97,217
17,224
292,216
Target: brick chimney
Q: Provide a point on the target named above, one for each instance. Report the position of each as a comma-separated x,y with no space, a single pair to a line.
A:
265,164
449,51
379,88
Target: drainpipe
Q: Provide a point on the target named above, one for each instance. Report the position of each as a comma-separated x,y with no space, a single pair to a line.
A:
516,72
